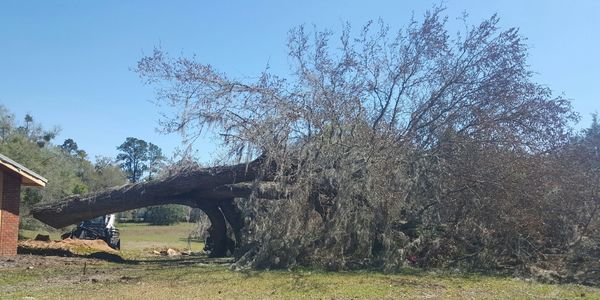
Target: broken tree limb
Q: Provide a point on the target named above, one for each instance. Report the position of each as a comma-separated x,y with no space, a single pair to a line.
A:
188,187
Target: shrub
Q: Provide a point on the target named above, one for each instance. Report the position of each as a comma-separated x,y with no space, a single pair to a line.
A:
165,214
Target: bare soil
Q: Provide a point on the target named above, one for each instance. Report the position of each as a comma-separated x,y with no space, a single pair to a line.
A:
37,261
70,247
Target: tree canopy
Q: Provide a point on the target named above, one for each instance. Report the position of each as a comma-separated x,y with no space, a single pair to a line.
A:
390,144
138,157
133,157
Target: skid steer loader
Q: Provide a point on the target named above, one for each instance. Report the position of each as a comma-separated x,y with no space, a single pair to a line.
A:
100,228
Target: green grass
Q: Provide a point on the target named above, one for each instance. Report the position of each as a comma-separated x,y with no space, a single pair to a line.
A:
170,279
194,277
143,238
30,234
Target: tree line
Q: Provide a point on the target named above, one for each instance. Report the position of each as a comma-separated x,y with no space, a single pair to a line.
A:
70,171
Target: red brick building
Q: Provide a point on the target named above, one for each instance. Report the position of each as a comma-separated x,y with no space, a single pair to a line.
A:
12,176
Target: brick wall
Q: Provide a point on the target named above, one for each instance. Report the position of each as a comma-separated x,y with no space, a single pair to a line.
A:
9,218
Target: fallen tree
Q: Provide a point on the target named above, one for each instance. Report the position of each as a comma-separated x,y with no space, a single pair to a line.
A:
398,148
210,189
194,187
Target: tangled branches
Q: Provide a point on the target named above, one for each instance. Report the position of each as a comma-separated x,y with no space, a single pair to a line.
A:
394,148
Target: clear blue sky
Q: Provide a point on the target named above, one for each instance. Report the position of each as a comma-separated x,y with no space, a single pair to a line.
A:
68,62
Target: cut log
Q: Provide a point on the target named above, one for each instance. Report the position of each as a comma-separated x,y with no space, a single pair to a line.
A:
190,187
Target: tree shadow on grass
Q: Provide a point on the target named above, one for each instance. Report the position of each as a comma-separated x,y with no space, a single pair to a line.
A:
67,253
181,261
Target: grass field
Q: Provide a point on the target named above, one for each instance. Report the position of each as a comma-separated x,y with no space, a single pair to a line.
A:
139,239
198,277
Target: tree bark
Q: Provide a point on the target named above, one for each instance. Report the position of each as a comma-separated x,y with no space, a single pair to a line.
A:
234,218
217,230
192,187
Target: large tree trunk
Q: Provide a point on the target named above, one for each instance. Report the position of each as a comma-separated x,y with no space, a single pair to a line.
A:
193,187
217,231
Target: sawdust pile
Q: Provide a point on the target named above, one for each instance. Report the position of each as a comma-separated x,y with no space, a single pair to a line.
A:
72,246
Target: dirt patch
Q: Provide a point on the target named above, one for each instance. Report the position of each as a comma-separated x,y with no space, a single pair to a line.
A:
28,261
70,247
